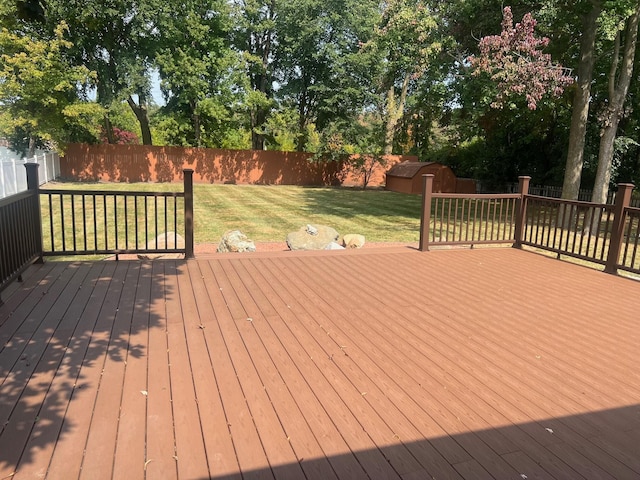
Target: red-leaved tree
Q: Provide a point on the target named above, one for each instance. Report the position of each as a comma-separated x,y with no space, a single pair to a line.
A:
121,137
515,61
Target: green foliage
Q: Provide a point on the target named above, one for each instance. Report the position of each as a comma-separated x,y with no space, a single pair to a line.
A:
123,118
333,77
40,90
358,143
280,130
195,63
318,59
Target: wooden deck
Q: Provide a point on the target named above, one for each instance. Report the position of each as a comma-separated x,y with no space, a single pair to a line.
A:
488,363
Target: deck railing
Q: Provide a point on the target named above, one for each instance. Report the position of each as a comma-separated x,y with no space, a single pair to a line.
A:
105,222
46,222
600,233
20,233
463,219
629,259
578,229
89,222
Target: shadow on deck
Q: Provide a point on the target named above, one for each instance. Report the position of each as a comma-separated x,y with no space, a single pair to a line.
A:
389,363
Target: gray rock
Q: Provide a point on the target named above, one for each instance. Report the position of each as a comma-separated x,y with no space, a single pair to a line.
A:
235,241
353,240
303,240
334,246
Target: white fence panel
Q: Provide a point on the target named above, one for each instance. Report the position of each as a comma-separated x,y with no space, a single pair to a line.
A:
13,175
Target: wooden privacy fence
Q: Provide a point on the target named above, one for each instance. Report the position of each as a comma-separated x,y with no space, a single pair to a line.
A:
600,233
147,163
48,222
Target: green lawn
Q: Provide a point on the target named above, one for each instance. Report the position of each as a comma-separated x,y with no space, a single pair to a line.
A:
269,213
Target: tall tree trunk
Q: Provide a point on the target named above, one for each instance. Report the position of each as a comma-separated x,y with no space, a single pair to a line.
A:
580,108
195,119
140,112
258,115
108,130
258,118
394,113
301,140
262,84
618,88
31,152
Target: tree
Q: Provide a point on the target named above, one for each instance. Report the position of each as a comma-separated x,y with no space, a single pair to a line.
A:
408,38
581,100
254,35
41,92
318,61
620,76
117,40
195,63
358,143
516,63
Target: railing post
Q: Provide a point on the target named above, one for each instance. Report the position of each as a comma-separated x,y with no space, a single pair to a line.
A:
521,210
188,212
33,185
623,199
425,217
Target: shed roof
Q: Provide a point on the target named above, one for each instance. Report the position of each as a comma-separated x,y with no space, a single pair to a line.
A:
408,169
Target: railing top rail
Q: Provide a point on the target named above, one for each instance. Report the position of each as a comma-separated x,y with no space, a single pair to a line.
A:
479,196
15,197
605,206
632,210
64,191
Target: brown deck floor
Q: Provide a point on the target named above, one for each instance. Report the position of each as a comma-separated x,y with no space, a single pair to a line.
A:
382,363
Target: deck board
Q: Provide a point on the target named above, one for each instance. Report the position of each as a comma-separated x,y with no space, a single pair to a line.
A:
101,445
43,437
160,434
389,363
182,317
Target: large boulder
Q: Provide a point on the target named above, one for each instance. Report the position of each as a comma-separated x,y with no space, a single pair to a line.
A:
312,237
235,241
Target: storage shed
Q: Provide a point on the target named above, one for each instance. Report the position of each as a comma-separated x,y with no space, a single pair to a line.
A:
406,177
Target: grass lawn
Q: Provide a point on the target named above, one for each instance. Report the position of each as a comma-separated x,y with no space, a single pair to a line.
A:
269,213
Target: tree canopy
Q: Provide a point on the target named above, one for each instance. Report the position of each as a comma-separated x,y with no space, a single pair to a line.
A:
546,88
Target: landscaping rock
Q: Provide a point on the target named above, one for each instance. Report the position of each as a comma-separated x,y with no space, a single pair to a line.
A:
235,241
164,240
334,246
353,240
315,238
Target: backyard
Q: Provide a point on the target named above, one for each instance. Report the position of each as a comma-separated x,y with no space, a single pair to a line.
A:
376,363
269,213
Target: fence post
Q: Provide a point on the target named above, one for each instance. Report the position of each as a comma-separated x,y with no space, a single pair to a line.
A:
15,175
425,217
623,199
521,210
33,185
188,212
